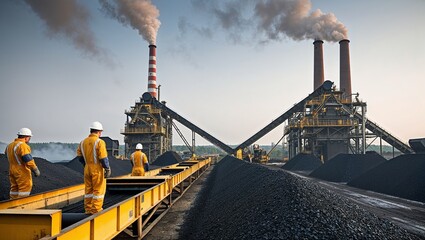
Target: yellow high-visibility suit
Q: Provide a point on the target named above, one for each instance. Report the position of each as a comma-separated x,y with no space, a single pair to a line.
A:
20,165
140,163
93,151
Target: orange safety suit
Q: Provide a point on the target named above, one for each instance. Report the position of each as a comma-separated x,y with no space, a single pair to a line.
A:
140,163
93,151
20,165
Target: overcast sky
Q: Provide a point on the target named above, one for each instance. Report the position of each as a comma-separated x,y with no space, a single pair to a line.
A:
218,65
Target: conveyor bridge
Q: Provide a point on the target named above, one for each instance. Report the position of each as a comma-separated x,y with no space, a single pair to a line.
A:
149,99
386,136
299,107
382,133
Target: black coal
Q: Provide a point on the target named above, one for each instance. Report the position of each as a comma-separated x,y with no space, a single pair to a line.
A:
402,176
345,167
248,201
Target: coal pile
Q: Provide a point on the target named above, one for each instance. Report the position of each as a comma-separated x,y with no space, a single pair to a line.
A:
402,176
345,167
118,167
248,201
167,158
53,176
303,162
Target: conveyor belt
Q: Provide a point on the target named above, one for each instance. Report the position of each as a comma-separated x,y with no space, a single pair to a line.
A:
109,200
75,212
148,98
386,136
131,204
169,172
326,86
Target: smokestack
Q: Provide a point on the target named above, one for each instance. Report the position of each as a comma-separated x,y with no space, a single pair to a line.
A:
319,76
152,71
344,68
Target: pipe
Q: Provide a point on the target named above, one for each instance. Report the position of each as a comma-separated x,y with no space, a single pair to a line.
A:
152,71
319,75
344,69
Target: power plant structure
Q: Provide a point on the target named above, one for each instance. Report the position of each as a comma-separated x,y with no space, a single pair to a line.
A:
325,123
327,126
332,123
328,122
150,122
147,124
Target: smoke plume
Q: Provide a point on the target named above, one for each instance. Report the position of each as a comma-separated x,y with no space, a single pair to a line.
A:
55,152
69,19
141,15
277,19
292,18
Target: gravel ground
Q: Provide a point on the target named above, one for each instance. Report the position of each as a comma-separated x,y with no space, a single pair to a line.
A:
249,201
345,167
402,176
303,162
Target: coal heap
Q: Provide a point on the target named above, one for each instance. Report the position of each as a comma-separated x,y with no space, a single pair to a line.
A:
345,167
303,162
53,176
240,200
118,167
167,158
402,176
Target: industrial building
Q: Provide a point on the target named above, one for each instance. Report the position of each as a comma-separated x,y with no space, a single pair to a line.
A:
327,122
147,124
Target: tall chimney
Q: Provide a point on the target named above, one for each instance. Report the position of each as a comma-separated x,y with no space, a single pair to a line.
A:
152,71
319,75
344,69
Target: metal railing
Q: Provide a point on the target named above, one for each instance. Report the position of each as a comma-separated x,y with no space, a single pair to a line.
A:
143,130
315,122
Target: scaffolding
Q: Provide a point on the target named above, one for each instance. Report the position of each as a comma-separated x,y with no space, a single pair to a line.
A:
328,126
150,126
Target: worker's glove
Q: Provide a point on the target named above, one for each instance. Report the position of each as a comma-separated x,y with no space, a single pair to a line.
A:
81,160
36,172
107,172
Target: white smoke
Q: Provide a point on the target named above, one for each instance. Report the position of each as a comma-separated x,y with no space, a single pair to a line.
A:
292,18
69,19
55,153
277,19
141,15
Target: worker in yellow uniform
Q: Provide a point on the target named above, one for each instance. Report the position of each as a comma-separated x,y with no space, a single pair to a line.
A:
92,154
21,163
139,161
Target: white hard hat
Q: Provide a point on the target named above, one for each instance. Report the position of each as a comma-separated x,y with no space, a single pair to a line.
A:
96,126
25,132
139,146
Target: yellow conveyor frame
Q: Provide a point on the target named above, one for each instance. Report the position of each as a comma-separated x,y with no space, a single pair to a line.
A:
39,216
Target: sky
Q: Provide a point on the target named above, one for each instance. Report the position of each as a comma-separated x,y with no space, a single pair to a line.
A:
223,65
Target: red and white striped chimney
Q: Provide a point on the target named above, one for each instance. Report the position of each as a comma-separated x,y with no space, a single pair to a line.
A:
152,71
319,75
344,68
